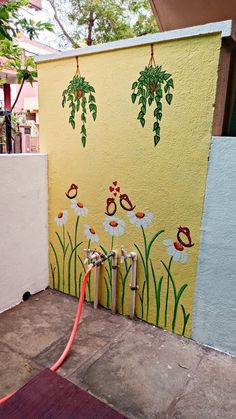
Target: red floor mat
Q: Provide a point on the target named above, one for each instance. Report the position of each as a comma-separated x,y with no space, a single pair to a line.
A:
50,396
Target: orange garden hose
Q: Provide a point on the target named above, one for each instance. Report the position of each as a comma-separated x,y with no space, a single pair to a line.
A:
73,333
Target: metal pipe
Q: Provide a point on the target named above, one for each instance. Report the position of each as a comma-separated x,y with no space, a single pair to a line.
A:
133,284
114,283
96,286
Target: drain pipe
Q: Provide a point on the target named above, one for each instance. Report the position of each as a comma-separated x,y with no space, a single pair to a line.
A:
133,284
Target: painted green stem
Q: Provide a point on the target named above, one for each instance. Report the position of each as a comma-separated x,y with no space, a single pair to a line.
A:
145,263
109,272
185,319
53,275
146,272
75,243
69,265
58,266
141,297
176,295
167,292
123,279
89,280
157,293
64,255
69,270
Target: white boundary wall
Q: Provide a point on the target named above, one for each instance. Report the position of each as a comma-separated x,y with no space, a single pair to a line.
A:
23,226
214,310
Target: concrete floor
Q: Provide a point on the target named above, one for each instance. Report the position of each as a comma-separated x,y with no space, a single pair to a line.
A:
142,371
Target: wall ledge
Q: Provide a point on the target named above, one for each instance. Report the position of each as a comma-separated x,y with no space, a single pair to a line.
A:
225,28
14,155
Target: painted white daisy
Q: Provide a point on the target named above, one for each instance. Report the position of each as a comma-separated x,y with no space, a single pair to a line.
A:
61,218
114,226
79,208
140,219
90,233
176,250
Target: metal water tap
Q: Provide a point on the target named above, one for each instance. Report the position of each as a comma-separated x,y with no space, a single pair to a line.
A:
95,257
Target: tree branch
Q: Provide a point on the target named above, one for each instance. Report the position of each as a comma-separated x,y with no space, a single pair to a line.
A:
64,31
18,94
90,28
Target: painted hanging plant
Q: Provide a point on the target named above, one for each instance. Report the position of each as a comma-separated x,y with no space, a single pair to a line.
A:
80,95
152,84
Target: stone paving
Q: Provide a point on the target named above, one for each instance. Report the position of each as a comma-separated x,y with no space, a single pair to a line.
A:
140,370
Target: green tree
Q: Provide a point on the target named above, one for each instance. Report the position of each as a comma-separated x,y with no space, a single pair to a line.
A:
98,21
12,22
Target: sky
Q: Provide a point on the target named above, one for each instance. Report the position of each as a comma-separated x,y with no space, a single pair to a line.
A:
53,39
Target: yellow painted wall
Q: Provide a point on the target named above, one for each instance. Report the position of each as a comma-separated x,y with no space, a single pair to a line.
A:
169,180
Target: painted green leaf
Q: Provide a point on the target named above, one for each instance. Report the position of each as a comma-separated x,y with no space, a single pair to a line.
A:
150,100
92,107
166,76
134,85
156,140
94,115
91,98
170,83
83,139
63,101
169,98
142,121
143,109
156,127
83,130
133,97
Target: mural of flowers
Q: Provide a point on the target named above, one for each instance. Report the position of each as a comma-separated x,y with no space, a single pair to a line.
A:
142,220
68,264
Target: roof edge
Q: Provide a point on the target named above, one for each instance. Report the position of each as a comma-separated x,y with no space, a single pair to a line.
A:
225,28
